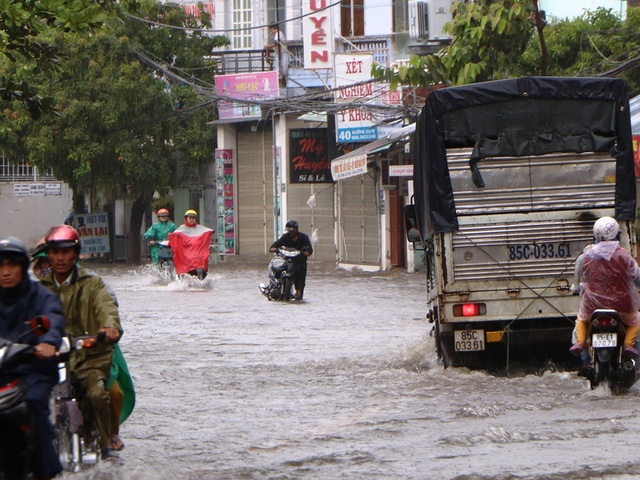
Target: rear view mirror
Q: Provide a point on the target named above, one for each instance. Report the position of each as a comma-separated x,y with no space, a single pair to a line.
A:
411,224
39,325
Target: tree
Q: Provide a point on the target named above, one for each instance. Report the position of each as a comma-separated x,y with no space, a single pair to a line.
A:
487,40
496,40
22,25
122,127
597,43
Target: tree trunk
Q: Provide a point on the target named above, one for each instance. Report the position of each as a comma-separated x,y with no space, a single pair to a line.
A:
539,23
137,214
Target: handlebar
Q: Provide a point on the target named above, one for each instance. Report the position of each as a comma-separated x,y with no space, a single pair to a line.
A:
82,342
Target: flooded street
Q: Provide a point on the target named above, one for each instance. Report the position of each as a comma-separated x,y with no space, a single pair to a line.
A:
345,385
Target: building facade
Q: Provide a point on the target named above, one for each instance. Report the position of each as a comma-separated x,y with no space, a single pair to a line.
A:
295,101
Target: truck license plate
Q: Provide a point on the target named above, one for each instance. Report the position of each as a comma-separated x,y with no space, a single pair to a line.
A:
604,340
468,340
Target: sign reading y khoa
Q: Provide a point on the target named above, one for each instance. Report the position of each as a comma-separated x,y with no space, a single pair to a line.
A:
317,29
354,124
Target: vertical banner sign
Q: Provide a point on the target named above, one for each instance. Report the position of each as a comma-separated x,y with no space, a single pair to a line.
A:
317,34
354,124
226,196
93,229
309,156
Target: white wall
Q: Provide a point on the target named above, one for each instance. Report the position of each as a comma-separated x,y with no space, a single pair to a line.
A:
29,217
378,17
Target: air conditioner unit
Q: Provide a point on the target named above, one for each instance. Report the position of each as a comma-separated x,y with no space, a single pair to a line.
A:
427,18
417,18
438,13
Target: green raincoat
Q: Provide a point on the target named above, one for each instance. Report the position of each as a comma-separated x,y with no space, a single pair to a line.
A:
159,231
120,373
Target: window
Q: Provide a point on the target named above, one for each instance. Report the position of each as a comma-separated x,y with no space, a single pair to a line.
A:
241,24
276,12
352,18
400,16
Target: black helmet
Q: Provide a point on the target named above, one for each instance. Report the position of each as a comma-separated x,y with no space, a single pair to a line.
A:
13,248
292,224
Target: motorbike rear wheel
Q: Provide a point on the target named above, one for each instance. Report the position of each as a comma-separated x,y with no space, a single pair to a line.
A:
602,373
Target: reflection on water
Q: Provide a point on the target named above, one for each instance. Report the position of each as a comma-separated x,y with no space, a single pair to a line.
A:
343,385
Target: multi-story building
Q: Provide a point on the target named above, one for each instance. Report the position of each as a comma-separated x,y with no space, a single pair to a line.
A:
304,133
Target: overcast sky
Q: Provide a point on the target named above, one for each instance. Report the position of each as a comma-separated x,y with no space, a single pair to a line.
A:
574,8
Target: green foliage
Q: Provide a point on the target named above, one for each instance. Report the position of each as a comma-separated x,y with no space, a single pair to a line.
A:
121,126
493,40
487,40
592,44
23,25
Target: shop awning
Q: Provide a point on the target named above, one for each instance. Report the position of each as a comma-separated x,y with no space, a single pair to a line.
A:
355,163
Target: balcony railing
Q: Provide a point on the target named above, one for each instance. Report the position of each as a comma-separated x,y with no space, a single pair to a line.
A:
14,172
242,61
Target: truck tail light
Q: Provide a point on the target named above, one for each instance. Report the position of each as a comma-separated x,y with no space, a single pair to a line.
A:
469,309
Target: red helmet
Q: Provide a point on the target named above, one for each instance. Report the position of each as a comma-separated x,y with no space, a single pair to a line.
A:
163,211
62,236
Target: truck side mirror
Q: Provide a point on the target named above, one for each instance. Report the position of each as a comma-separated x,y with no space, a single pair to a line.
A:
410,224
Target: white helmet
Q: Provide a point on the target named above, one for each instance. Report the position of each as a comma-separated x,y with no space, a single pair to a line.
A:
605,228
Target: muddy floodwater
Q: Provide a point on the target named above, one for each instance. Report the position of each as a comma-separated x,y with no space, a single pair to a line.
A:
345,385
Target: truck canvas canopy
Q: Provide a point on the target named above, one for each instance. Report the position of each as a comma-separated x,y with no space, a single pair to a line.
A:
520,117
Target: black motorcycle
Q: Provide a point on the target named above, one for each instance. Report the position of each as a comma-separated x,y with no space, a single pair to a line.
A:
76,438
165,258
608,364
282,274
17,435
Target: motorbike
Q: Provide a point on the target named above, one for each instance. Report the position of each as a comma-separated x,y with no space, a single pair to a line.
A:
17,435
282,273
165,258
607,362
76,438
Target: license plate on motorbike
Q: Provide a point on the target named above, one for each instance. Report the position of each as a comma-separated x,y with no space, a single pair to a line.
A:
604,340
468,340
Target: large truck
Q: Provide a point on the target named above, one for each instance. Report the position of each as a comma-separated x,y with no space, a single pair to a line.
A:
509,178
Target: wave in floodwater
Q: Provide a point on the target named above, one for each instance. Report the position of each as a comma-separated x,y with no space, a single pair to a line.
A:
344,385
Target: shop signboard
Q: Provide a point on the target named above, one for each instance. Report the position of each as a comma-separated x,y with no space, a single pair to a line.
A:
354,124
23,189
349,167
247,88
226,201
317,34
308,155
93,229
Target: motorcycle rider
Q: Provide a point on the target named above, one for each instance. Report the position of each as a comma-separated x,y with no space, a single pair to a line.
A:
294,238
607,276
90,309
41,265
159,232
22,299
120,382
190,245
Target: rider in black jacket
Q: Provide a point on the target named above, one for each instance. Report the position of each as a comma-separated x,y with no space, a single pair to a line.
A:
300,241
22,299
